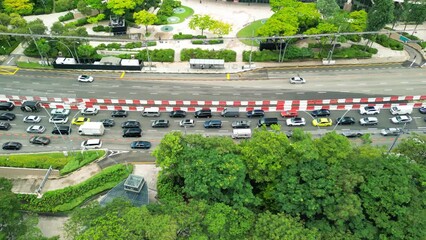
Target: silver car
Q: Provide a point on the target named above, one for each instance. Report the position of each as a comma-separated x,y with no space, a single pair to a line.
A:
401,119
391,131
368,121
295,80
187,123
32,119
36,129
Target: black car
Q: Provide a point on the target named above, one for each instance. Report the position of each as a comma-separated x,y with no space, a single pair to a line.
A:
62,130
345,121
177,114
321,113
213,124
131,124
5,126
7,116
132,132
422,110
160,123
140,145
31,106
12,146
7,106
255,113
267,122
203,113
108,122
40,140
119,113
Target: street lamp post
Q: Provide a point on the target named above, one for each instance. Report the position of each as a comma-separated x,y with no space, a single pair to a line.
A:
72,55
35,42
396,138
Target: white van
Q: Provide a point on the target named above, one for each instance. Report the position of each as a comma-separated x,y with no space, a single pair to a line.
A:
401,110
241,133
151,112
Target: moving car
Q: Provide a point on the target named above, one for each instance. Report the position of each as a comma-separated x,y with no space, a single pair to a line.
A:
296,121
85,78
289,113
422,110
321,113
32,119
401,119
89,111
213,124
140,145
36,129
322,122
161,123
58,119
12,146
108,122
369,110
119,113
60,111
352,133
7,106
368,121
255,113
203,113
345,121
131,124
5,126
132,132
297,79
240,124
177,114
187,123
40,140
91,144
62,130
79,121
391,131
7,116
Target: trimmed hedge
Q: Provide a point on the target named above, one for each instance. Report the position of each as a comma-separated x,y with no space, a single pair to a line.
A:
385,41
78,23
227,55
292,52
199,42
155,55
68,198
101,28
188,36
412,37
66,17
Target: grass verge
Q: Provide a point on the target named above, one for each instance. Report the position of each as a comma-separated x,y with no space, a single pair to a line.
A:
182,16
250,31
32,65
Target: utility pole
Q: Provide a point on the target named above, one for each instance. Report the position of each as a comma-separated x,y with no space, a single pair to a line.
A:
38,49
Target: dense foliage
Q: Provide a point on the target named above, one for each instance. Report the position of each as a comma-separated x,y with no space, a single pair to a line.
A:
198,53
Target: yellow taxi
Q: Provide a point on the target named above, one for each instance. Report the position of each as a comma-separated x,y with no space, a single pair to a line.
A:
80,120
322,122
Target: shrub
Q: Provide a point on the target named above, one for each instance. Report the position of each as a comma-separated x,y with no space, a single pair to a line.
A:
219,41
197,41
200,36
351,53
292,52
156,55
365,48
101,28
227,55
66,17
101,46
113,46
132,45
385,41
182,36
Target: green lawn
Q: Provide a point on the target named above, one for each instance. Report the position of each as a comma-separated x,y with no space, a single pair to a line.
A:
32,65
182,16
250,31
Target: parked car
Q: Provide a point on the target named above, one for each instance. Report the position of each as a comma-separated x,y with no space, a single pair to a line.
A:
61,111
12,146
7,106
91,144
89,111
368,121
32,119
62,130
31,106
265,121
40,140
161,123
79,121
187,123
321,113
5,126
203,113
401,119
391,131
255,113
85,78
369,110
7,116
297,79
140,145
36,129
213,124
119,113
240,124
131,124
296,121
322,122
177,114
132,132
108,122
422,110
58,119
352,133
289,113
345,121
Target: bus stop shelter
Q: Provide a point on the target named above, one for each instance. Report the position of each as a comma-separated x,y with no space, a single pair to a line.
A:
207,63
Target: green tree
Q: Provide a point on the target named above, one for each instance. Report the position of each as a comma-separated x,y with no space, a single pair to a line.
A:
328,7
282,23
380,14
16,21
57,28
277,5
10,218
413,147
22,7
96,19
307,15
358,21
84,8
144,18
86,51
322,27
201,22
220,28
99,5
64,5
4,19
119,7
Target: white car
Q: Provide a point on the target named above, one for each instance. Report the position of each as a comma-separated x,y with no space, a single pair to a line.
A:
391,131
58,119
401,119
368,121
36,129
85,78
187,123
295,80
369,110
89,111
61,111
32,119
296,121
91,144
